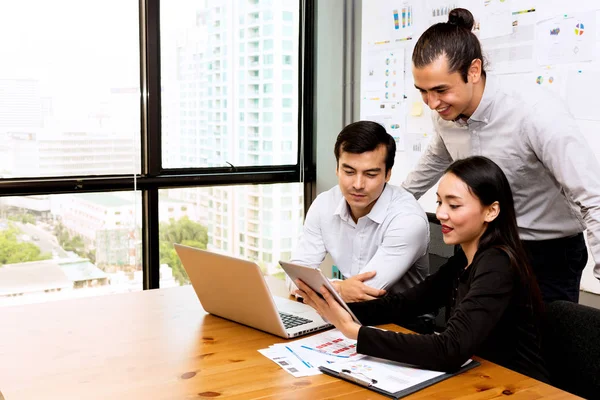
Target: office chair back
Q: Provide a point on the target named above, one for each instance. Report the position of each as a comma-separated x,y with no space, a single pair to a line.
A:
572,348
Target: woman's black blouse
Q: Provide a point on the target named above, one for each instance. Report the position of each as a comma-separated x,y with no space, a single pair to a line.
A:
490,315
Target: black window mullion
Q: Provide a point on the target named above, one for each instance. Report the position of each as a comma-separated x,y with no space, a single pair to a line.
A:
151,136
306,146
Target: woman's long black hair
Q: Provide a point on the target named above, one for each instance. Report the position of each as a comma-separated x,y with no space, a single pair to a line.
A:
488,183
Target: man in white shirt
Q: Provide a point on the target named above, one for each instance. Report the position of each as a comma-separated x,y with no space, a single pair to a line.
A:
554,177
376,234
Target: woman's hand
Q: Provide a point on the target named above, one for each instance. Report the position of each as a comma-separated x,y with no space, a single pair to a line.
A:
329,309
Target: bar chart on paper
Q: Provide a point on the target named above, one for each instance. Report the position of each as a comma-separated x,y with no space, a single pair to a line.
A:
332,344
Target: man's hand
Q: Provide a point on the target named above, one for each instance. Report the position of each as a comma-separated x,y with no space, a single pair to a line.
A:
353,289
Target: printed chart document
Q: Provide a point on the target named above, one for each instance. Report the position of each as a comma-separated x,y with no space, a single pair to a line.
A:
303,357
389,378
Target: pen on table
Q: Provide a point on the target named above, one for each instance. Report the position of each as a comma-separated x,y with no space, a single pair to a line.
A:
299,358
346,373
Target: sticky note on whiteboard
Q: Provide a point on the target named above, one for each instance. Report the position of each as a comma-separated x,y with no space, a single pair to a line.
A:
416,110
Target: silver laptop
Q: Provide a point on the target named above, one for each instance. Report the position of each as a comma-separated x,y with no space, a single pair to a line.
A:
235,289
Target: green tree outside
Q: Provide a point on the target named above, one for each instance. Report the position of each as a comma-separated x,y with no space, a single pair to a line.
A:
12,251
74,244
25,218
183,231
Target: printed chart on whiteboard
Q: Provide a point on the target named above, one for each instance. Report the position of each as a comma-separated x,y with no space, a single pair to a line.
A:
566,39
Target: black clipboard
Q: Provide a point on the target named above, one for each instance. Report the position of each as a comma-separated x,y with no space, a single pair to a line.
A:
404,392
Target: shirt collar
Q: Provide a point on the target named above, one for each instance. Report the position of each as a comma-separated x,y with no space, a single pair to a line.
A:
378,212
483,112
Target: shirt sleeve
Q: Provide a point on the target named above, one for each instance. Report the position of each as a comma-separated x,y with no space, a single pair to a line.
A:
405,240
559,144
430,168
472,321
310,250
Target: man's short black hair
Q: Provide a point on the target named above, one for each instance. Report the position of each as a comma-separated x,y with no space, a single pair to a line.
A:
362,136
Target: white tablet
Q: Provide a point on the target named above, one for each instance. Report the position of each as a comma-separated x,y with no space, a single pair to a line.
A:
314,278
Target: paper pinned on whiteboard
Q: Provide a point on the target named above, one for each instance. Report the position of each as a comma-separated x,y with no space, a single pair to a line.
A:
566,39
416,109
394,124
550,78
383,76
578,94
496,19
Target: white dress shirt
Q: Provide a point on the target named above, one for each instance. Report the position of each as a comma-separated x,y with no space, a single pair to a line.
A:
393,239
554,177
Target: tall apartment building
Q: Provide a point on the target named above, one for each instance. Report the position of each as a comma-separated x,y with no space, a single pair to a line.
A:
236,80
21,104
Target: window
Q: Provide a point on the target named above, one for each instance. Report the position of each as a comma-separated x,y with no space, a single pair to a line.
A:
80,116
248,51
243,200
287,75
287,45
56,122
287,60
286,145
288,16
76,244
285,103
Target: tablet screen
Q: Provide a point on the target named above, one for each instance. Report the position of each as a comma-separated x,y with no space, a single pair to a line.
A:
314,278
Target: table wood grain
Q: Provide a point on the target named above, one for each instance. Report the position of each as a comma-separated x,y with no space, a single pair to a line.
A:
160,344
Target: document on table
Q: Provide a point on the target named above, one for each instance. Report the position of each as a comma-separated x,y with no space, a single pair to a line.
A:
388,377
303,357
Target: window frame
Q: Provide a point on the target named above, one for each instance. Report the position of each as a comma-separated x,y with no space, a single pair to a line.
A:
154,176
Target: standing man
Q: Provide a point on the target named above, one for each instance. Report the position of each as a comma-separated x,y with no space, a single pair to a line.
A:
377,234
554,177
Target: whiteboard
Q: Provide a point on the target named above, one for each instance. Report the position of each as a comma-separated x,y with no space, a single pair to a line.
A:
523,46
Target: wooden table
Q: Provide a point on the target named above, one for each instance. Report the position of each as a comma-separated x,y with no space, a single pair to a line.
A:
160,344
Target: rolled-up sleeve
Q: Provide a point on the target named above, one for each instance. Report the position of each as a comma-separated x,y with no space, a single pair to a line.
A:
405,241
311,249
430,168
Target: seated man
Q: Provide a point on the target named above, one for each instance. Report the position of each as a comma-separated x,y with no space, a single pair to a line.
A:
377,234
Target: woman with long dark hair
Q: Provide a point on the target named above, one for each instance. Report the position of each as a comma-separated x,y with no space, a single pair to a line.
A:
489,292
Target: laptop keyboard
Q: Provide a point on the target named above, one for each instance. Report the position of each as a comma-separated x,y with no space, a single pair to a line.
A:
290,321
